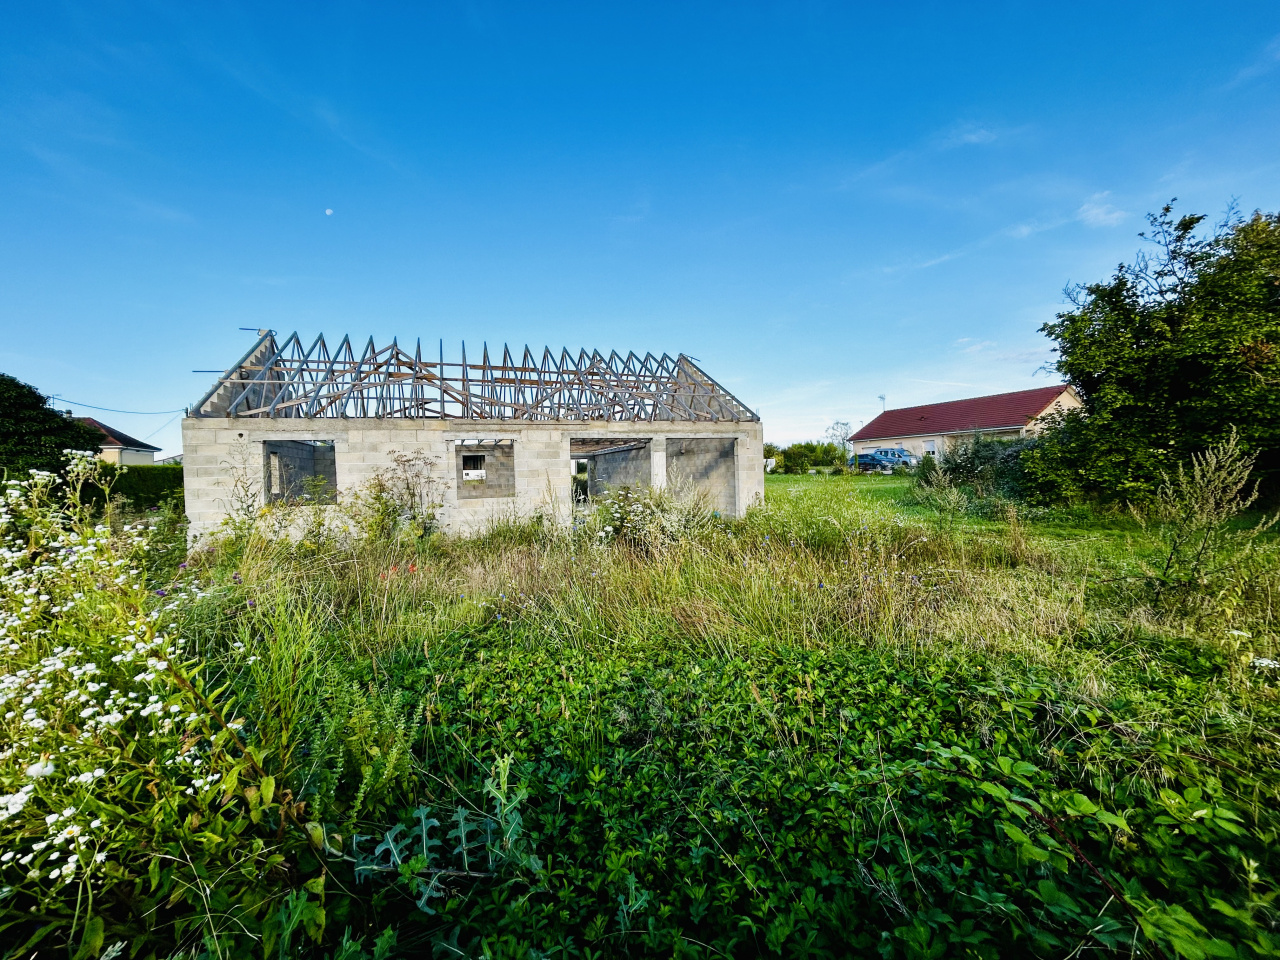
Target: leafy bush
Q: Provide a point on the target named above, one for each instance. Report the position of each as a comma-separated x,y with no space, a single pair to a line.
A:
146,486
801,457
654,519
126,784
990,466
143,804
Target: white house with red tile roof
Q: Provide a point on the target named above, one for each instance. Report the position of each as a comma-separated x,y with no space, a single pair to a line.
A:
932,426
118,447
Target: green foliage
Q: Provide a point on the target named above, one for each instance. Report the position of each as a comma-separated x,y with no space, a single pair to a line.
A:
979,477
1205,562
401,499
927,471
830,803
832,729
1170,354
984,468
147,486
801,457
125,784
33,435
654,519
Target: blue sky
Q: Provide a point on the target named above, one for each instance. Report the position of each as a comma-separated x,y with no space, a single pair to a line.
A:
821,202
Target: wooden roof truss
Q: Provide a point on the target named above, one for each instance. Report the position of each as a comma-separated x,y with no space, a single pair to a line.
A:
291,379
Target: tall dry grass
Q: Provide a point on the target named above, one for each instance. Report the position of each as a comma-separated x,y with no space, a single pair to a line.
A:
816,566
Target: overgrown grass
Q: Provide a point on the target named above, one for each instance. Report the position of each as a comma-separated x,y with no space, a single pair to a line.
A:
845,725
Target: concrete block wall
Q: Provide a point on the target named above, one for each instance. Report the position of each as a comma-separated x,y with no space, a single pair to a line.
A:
223,460
614,469
707,463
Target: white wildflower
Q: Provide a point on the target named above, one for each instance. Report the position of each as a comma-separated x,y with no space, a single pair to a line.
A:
42,769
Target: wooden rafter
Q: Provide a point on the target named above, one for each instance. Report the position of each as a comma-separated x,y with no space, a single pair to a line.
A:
282,380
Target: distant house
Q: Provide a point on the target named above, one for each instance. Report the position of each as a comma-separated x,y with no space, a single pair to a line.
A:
932,427
118,447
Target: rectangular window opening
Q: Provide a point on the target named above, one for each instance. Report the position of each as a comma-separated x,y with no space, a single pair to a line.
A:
485,469
300,471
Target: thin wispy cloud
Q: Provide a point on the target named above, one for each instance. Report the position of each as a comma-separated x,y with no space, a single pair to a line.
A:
639,213
1263,64
966,135
1096,212
66,117
92,188
960,134
340,127
1021,357
942,259
1018,231
1029,228
260,79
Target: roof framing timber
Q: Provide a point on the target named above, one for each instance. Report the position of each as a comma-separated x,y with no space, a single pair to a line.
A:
291,379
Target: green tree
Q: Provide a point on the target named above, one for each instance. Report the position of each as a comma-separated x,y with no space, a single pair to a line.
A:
33,434
838,435
799,457
1168,355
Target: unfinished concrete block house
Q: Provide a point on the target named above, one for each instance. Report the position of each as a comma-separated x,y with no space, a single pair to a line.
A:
508,436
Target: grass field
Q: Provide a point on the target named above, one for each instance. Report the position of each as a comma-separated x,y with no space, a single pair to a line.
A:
847,725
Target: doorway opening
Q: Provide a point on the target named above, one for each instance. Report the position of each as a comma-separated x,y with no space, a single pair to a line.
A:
600,464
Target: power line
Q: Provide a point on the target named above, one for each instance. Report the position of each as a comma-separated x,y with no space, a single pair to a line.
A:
159,428
139,413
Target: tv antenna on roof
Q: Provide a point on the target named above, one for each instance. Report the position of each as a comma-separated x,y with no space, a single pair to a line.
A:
880,397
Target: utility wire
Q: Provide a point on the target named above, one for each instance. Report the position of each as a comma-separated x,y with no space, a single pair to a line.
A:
159,428
139,413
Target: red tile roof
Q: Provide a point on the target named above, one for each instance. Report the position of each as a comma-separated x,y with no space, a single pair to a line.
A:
114,438
1001,411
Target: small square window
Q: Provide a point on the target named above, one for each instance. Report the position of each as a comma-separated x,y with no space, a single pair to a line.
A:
486,469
